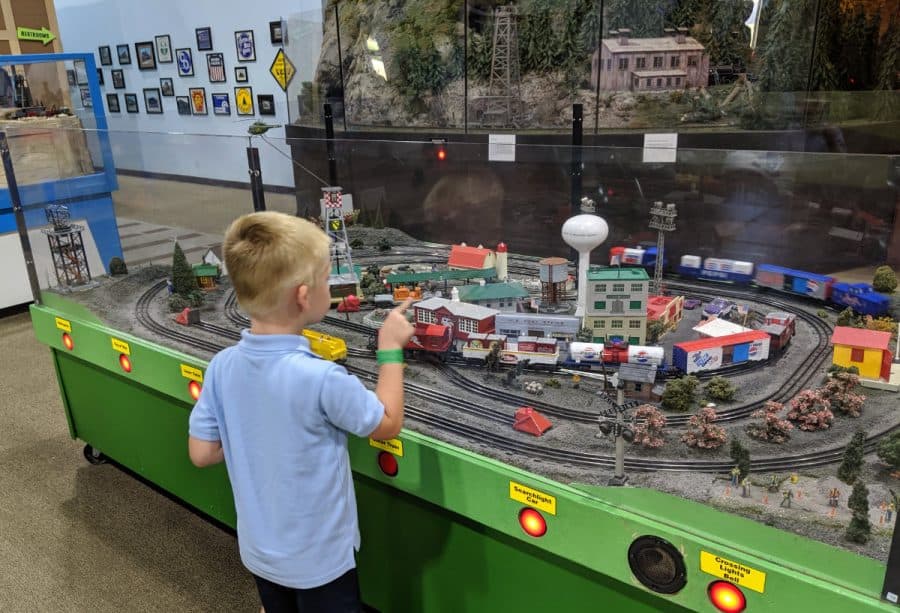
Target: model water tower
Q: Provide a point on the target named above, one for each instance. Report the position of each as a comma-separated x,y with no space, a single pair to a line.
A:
554,274
584,233
66,247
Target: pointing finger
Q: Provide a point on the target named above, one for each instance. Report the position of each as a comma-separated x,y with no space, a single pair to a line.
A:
404,305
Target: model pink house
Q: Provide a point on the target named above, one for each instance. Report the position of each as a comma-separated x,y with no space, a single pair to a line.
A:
648,64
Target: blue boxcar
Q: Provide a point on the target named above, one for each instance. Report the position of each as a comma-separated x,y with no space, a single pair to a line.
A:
794,281
861,297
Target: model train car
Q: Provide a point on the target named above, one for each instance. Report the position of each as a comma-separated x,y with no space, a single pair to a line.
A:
326,346
644,257
614,353
861,297
716,352
538,352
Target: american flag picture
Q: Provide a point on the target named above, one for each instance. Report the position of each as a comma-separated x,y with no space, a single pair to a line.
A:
215,63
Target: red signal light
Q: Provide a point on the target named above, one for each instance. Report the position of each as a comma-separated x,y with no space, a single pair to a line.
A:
442,154
532,522
194,390
610,192
726,597
67,341
388,464
125,362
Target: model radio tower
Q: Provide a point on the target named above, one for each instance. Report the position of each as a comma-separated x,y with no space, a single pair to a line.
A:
503,92
66,247
662,219
341,262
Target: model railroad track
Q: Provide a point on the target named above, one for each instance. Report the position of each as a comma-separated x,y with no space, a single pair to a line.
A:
503,443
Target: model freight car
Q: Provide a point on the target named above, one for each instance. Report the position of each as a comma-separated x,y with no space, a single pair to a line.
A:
716,352
326,346
430,338
794,281
538,352
861,297
716,269
614,353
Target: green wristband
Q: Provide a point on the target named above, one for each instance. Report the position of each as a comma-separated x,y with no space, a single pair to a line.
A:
389,356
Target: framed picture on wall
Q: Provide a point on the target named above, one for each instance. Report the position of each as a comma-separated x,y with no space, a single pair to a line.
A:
185,62
105,56
243,100
146,57
80,72
245,45
164,49
204,39
70,75
152,100
118,78
276,32
215,65
266,104
100,76
221,104
184,105
198,100
123,52
240,74
112,103
131,104
86,98
166,86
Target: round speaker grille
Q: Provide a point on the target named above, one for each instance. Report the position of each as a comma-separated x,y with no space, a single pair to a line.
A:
657,564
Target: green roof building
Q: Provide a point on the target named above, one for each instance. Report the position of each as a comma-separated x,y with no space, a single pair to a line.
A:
501,296
616,308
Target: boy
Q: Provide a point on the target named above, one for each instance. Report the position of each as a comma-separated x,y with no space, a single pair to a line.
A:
278,416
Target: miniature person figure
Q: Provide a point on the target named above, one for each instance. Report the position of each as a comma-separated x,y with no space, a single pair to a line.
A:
890,511
795,478
735,475
787,496
745,487
833,495
773,484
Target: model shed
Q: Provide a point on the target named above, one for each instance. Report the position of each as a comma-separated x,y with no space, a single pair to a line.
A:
868,350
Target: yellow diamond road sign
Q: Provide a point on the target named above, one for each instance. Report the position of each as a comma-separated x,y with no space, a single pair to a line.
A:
282,69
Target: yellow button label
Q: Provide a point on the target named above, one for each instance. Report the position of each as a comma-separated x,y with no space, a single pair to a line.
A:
392,445
532,497
63,324
738,574
191,372
121,346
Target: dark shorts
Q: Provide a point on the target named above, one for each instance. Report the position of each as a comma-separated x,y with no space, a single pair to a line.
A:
338,596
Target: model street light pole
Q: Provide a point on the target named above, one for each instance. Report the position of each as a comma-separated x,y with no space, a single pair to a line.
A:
622,432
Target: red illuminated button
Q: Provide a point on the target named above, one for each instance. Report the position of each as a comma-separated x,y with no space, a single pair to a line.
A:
68,343
532,522
726,597
441,154
388,464
194,390
125,362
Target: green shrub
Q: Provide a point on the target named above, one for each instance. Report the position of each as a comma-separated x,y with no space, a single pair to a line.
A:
177,303
117,266
885,279
719,388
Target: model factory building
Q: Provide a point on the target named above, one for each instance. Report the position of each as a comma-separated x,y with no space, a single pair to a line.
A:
617,304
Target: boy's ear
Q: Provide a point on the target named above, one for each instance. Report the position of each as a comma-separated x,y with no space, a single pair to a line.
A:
302,296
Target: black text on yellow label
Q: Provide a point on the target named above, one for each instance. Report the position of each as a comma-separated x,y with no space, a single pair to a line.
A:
392,445
532,497
121,346
63,324
735,572
192,372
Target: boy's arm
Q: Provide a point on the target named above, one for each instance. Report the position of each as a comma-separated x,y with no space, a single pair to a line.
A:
205,453
390,392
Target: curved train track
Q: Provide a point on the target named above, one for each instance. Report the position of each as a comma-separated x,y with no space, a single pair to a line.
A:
504,443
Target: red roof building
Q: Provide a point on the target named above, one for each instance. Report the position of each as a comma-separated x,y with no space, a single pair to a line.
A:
470,258
668,309
731,339
867,350
858,337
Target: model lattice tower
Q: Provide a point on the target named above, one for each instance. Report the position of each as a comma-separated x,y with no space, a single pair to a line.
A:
66,247
342,271
554,273
662,219
503,92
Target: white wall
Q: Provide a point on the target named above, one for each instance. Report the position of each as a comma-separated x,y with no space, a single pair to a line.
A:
200,146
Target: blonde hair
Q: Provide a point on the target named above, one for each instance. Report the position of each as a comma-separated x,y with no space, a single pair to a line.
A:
267,253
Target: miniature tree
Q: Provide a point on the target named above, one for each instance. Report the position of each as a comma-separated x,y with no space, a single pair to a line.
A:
680,394
384,245
838,391
492,359
741,457
889,450
117,266
719,388
655,330
845,317
810,410
885,280
584,335
182,276
852,462
649,425
772,429
702,431
859,529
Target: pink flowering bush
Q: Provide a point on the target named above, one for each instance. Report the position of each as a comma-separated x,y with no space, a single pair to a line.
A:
648,431
771,428
811,411
702,432
839,392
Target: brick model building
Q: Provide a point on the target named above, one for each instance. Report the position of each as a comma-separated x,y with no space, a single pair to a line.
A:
649,64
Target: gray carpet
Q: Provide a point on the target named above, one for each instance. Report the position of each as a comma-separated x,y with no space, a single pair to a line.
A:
76,537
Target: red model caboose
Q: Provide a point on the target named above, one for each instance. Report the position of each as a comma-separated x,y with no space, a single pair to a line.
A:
430,338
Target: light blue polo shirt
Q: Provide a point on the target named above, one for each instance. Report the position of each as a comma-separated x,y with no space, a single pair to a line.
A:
282,414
